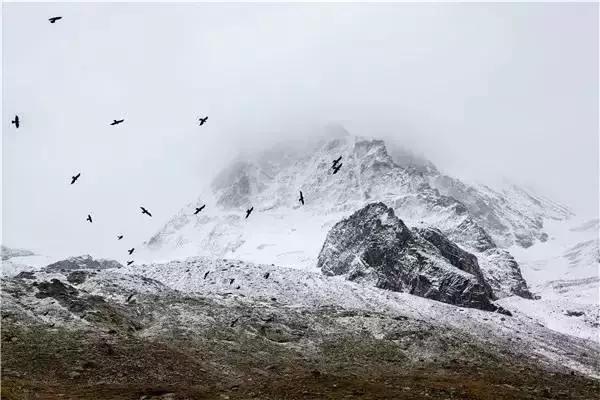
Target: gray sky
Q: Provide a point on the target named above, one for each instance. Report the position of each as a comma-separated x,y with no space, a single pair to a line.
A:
483,90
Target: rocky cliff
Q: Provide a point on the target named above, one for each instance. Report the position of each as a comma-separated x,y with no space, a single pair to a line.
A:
374,245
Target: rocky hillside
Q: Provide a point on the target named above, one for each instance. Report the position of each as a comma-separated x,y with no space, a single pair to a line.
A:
82,262
375,246
206,328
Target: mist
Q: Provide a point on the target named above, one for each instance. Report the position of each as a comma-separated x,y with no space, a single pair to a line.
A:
482,90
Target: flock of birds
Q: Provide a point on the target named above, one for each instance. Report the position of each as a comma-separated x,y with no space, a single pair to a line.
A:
17,122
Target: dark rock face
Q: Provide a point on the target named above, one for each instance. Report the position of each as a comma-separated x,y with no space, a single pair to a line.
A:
56,289
77,277
374,245
82,262
456,256
26,275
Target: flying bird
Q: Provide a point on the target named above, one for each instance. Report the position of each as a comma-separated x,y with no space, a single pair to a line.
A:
231,280
336,161
89,218
249,211
117,121
130,251
16,122
199,209
301,199
119,237
206,274
129,262
130,296
74,178
54,19
234,322
336,169
202,120
144,211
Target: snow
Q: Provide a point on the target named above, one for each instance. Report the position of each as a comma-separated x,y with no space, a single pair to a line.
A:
295,288
554,314
15,265
565,267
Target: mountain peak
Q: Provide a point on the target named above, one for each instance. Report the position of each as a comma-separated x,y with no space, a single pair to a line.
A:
475,217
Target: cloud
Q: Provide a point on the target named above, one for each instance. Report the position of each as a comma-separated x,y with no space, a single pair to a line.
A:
481,90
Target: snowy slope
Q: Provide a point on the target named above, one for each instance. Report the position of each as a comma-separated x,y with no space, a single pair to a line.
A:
293,288
563,274
566,266
281,231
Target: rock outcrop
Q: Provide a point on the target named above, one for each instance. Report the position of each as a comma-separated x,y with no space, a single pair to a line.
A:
456,256
502,272
82,262
374,245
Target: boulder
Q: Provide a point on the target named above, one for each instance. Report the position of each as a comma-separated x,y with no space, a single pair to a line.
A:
373,245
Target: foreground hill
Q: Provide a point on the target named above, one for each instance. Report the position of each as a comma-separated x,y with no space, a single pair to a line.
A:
206,328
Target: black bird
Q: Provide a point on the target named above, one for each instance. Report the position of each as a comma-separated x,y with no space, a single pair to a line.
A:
54,19
233,322
202,120
129,262
117,121
130,296
336,169
336,161
206,274
231,280
89,218
16,121
266,275
144,211
130,251
199,209
119,237
301,199
74,178
249,211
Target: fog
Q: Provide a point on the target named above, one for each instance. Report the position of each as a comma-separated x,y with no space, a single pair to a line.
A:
482,90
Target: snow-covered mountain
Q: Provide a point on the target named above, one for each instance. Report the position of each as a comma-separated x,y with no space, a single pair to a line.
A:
390,266
482,220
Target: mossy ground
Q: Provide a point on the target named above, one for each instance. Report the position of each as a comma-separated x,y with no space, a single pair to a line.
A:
49,363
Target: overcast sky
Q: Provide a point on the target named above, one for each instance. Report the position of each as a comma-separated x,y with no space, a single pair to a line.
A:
483,90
